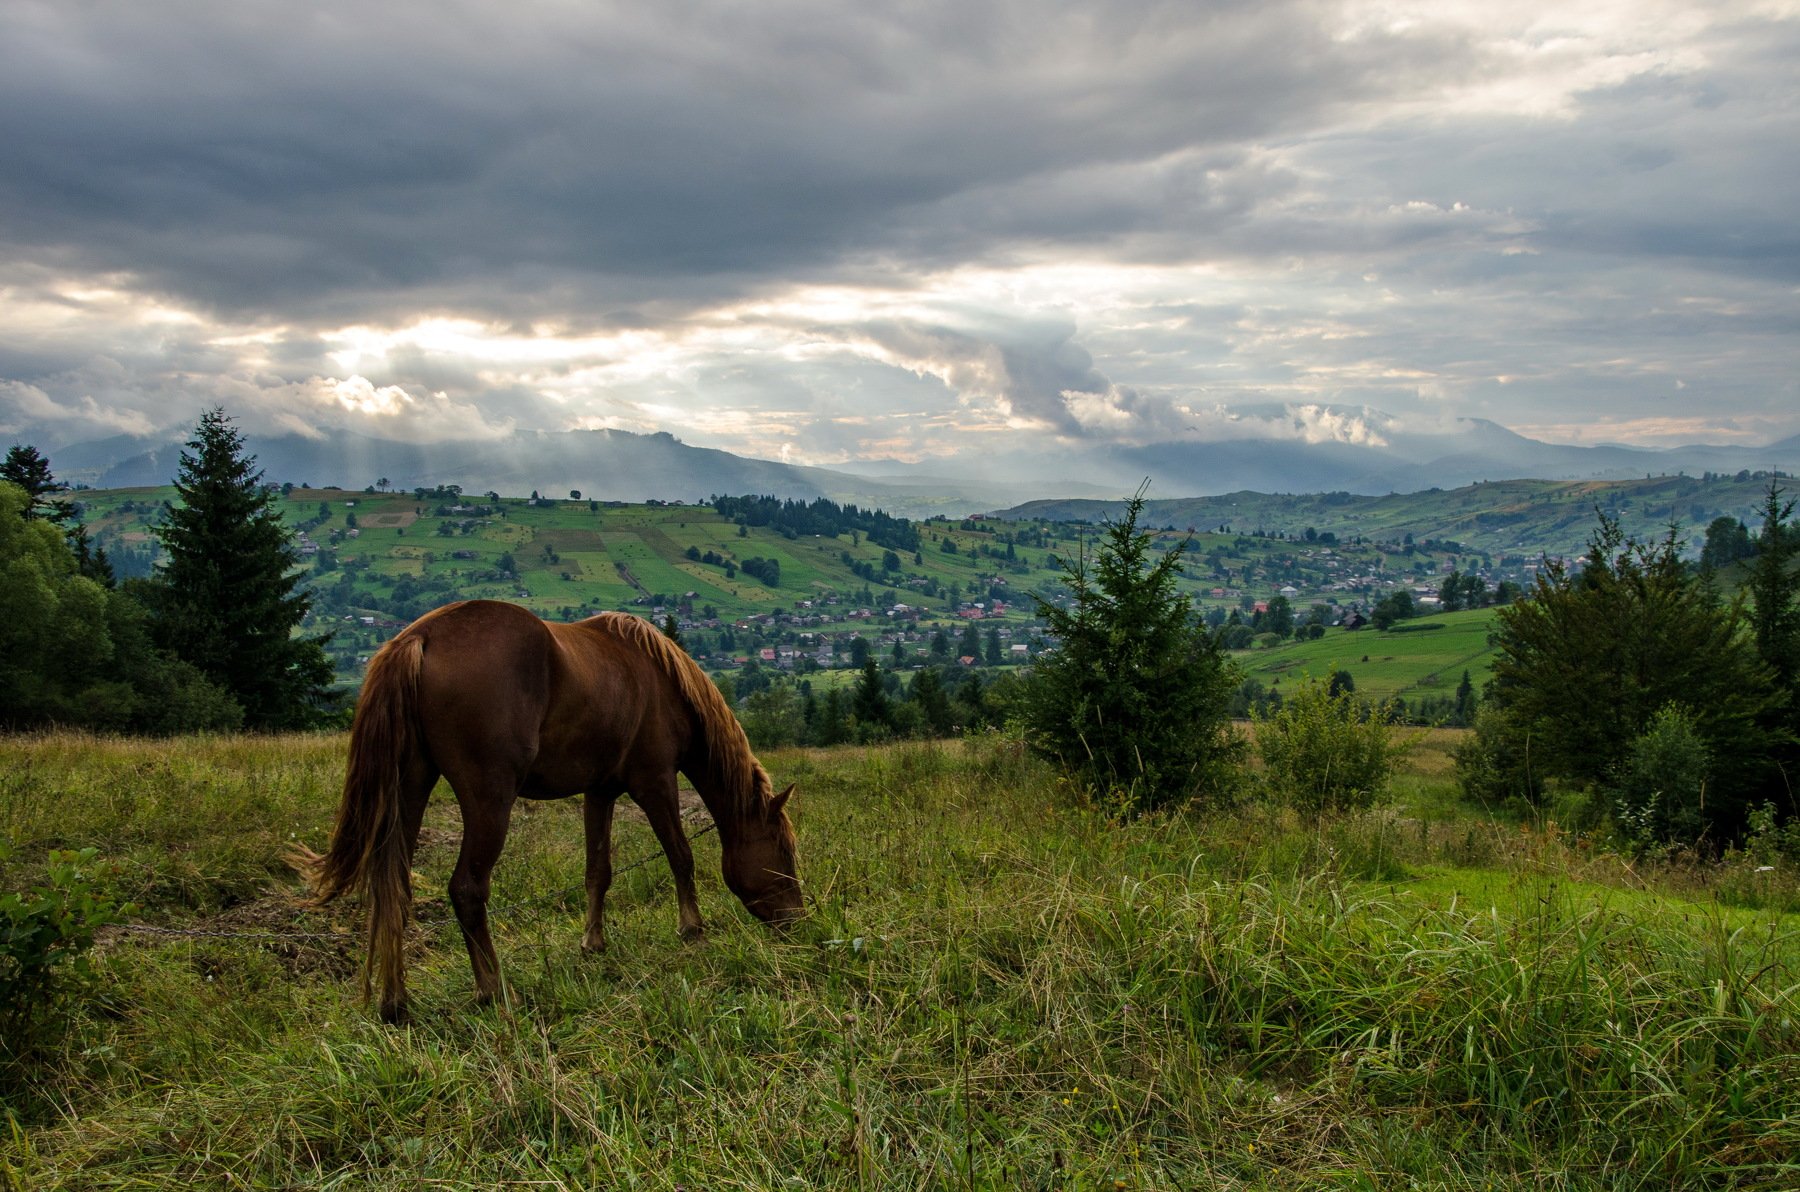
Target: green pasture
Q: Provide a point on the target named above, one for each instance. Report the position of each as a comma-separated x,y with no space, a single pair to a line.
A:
1423,656
998,986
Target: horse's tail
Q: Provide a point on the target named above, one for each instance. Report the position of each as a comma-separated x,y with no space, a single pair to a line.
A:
369,849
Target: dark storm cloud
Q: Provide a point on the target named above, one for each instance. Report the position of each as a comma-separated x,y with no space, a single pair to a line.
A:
345,159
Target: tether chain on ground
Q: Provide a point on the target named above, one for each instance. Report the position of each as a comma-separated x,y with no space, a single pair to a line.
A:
341,937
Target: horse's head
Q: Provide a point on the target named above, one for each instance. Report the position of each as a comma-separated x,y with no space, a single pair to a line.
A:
760,866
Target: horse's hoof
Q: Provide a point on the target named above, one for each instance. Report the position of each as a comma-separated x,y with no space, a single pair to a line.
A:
398,1015
593,947
692,935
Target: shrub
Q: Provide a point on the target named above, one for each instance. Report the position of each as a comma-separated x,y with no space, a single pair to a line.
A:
1325,751
1769,839
45,933
1494,763
1660,794
773,717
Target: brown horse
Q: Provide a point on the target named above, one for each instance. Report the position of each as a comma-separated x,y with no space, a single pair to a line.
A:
505,705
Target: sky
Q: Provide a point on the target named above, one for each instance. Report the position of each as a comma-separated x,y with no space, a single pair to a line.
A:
826,232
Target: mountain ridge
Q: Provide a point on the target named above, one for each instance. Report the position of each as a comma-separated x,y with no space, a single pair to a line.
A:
1369,453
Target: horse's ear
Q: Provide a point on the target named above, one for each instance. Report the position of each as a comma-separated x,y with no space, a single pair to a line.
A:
780,801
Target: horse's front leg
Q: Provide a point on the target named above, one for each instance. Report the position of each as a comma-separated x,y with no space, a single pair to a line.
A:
661,801
596,818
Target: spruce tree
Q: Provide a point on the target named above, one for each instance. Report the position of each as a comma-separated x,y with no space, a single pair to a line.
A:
869,700
227,600
27,468
1135,699
1775,613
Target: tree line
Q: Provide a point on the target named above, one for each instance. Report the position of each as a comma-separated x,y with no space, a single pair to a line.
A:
794,519
1636,687
207,643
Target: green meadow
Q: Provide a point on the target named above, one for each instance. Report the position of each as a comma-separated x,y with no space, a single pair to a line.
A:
1425,656
998,986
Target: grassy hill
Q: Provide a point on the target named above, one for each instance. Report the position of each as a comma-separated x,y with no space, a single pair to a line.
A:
1522,518
1422,657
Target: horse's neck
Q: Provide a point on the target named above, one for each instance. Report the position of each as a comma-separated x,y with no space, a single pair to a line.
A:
730,796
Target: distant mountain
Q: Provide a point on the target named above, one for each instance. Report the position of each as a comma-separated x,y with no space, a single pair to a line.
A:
1269,449
1393,458
609,465
1346,449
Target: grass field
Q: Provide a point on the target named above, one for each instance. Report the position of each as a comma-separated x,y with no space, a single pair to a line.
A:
1423,656
997,988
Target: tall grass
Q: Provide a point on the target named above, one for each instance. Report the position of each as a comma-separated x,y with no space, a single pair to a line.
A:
997,988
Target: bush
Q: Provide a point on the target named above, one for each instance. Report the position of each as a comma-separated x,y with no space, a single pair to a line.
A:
1660,795
773,717
1494,764
45,934
1326,752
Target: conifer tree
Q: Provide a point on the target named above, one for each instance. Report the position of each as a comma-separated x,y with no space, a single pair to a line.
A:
1775,614
227,600
869,701
1135,698
27,468
933,702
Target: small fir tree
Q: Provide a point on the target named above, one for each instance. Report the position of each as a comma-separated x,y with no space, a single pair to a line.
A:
869,702
1134,700
933,702
227,600
1775,615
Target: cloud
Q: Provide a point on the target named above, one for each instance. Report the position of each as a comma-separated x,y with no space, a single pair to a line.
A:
838,231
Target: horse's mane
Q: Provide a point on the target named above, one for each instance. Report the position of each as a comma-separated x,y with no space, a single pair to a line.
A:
727,748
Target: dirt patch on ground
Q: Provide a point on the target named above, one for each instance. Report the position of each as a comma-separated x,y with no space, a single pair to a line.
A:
304,941
439,838
693,811
387,521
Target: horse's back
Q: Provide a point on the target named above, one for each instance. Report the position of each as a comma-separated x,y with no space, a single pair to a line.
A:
611,701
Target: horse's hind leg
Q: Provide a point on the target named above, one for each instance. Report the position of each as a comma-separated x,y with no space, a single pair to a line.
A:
486,814
660,799
596,817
